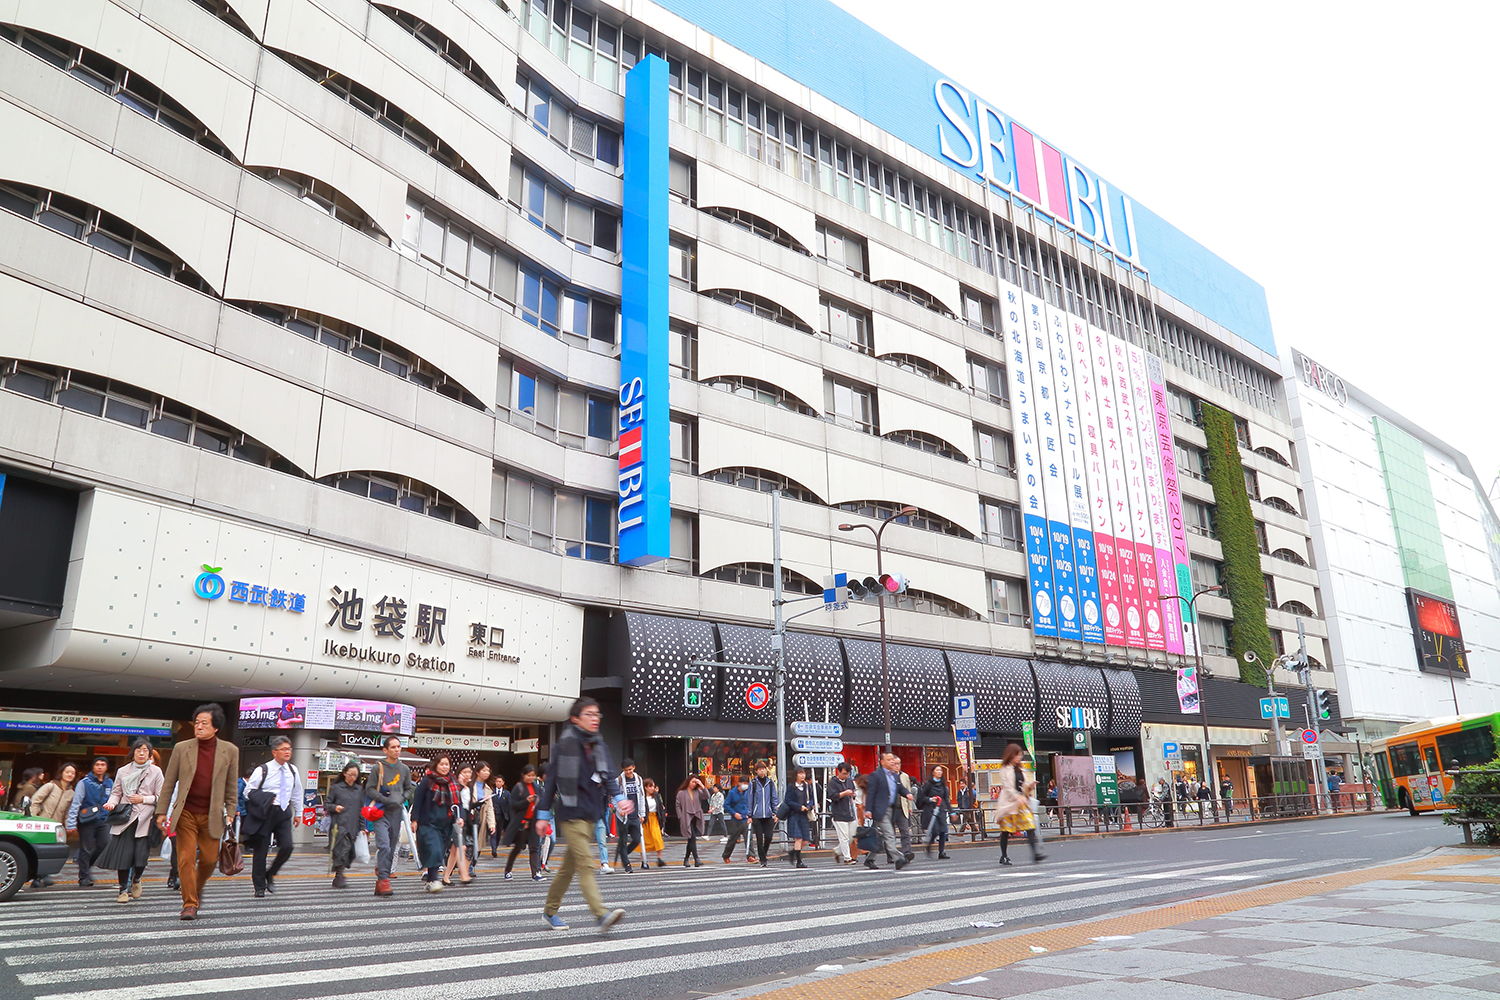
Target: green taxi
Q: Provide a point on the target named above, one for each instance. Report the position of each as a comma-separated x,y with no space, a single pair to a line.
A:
29,848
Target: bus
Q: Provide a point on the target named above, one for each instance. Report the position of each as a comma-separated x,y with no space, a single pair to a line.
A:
1415,766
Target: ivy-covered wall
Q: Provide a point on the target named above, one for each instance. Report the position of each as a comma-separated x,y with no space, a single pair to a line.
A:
1236,530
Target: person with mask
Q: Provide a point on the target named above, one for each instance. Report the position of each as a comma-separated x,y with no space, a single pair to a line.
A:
736,815
764,802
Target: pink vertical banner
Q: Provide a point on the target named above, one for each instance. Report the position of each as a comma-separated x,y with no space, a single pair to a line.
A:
1181,576
1156,506
1135,486
1133,624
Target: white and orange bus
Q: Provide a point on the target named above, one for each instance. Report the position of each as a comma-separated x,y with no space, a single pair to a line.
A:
1416,766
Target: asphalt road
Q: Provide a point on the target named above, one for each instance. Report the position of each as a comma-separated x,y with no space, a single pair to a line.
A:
687,932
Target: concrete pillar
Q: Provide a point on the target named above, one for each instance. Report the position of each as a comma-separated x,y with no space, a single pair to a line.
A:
304,759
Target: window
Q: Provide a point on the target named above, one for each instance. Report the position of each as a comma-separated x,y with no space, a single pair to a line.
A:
1270,584
995,449
920,366
763,481
535,513
922,441
1206,573
1276,503
1184,406
763,228
97,228
1405,760
839,250
846,325
682,262
399,491
1466,748
573,416
324,197
680,180
850,404
927,603
445,48
458,251
1242,432
1204,358
762,392
987,380
979,311
1191,461
1198,517
684,432
592,47
760,306
682,350
1252,484
914,294
1007,600
1298,608
1214,634
541,300
1289,555
582,137
684,544
388,115
128,404
885,510
364,346
762,575
572,220
1273,455
1002,524
109,77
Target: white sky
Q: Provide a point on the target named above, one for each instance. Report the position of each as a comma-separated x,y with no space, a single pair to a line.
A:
1342,155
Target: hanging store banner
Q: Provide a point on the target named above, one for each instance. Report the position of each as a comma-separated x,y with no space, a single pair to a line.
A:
1023,411
1065,381
1101,519
1119,495
1182,576
1054,487
645,449
1135,484
1156,503
1187,690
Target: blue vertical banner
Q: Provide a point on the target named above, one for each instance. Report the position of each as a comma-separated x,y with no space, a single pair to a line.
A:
645,446
1028,462
1051,435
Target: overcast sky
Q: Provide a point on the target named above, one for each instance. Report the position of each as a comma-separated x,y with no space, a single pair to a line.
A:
1342,155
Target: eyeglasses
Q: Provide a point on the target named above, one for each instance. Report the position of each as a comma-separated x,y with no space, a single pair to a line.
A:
590,714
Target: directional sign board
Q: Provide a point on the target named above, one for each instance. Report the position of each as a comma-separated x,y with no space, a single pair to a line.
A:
817,744
1279,706
818,759
965,721
832,729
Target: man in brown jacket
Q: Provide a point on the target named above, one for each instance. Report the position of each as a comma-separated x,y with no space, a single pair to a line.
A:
203,778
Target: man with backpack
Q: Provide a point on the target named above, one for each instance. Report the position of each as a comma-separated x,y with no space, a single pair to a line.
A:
272,793
389,786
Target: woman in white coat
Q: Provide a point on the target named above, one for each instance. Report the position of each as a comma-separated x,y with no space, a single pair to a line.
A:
1014,812
138,783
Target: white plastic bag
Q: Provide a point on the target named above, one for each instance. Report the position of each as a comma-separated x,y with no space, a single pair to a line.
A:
362,848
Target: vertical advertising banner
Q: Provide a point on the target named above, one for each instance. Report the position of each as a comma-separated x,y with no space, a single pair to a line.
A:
1182,574
1066,380
1101,517
1054,488
1119,495
1156,501
645,499
1028,461
1135,485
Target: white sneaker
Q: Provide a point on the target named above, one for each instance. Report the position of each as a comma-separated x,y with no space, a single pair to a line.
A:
606,870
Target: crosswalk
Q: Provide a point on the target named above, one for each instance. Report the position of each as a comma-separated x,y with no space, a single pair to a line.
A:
708,928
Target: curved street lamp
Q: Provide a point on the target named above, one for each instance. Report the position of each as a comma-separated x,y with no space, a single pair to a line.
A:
1208,773
885,675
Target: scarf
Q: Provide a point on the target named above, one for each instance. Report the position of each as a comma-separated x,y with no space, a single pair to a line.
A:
567,759
132,780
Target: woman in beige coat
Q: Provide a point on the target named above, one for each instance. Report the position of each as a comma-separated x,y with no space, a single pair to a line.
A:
138,783
1014,812
51,801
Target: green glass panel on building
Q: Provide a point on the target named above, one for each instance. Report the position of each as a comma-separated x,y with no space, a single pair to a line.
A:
1413,510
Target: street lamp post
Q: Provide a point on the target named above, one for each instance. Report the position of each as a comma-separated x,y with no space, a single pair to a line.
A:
885,674
1208,771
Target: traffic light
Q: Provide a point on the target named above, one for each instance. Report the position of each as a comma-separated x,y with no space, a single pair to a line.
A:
692,690
894,583
860,589
1325,704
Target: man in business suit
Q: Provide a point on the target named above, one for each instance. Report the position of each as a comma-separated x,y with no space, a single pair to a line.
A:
203,776
884,795
279,784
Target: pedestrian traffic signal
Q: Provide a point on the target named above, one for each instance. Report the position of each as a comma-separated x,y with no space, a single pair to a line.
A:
692,690
1325,704
894,583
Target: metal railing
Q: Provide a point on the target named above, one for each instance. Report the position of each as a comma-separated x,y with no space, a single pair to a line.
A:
1159,813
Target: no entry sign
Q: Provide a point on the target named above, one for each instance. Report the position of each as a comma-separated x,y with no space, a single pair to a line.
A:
757,696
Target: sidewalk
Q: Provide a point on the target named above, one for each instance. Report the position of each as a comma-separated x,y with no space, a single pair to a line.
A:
1430,923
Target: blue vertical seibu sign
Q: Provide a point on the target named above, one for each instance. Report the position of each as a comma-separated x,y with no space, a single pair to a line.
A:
645,471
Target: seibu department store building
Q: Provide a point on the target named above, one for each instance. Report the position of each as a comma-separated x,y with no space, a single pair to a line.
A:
399,352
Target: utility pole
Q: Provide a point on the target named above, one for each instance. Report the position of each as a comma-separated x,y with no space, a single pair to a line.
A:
1275,703
778,642
1320,786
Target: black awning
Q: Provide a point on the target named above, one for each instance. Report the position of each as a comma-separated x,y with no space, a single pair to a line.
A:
1003,687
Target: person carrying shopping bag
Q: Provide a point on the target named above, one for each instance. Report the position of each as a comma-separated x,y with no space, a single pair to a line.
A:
1014,815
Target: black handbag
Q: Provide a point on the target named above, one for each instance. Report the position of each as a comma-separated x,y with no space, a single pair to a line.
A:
121,812
867,838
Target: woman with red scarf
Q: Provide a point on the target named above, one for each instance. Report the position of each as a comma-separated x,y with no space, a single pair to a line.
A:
434,814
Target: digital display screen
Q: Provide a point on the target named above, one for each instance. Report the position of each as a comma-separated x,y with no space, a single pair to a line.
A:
1439,640
284,712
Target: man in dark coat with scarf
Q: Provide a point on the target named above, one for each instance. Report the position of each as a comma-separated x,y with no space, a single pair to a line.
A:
580,787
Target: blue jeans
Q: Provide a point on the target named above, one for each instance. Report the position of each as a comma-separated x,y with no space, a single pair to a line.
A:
601,841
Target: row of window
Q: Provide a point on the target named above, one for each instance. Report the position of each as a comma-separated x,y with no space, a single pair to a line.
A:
537,513
581,136
399,491
568,219
572,416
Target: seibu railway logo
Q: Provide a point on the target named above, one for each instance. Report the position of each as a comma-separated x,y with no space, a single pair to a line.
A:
632,454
